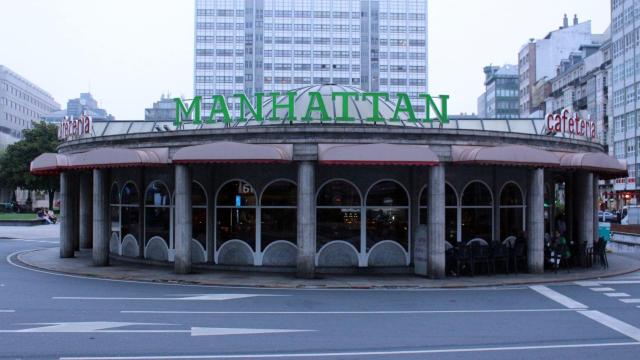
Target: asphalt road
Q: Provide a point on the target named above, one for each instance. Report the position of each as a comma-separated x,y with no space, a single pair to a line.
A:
49,316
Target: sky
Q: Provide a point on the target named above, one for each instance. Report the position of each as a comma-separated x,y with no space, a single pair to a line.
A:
128,53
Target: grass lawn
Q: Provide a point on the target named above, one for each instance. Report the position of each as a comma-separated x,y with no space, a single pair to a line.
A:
16,216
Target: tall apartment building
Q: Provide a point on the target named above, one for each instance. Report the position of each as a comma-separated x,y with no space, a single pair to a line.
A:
255,46
539,59
500,99
21,102
625,88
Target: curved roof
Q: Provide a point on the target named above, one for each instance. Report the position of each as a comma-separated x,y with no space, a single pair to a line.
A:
359,109
515,155
598,162
376,154
48,164
230,152
109,157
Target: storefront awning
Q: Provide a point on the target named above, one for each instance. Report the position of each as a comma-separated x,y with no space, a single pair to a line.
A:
234,152
49,164
601,163
376,154
108,157
512,155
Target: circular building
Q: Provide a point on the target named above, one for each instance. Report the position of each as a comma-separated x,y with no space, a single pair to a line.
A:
324,195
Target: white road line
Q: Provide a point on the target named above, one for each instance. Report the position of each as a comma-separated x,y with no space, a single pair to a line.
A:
587,283
7,311
338,312
193,297
599,289
359,353
619,282
557,297
617,294
630,301
613,323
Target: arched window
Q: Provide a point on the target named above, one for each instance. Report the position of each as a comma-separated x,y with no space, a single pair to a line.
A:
199,214
157,212
450,214
114,208
130,211
387,214
338,214
424,206
278,213
476,212
236,213
511,211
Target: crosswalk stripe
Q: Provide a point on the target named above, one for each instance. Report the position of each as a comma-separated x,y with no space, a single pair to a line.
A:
617,294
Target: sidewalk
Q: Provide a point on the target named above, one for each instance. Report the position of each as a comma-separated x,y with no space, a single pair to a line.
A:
30,232
48,259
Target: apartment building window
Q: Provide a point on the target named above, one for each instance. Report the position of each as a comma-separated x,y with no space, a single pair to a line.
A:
619,149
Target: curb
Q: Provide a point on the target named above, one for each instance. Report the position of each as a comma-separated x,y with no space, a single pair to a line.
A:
17,257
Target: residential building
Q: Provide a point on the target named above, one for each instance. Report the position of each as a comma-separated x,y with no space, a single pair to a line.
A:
83,105
164,109
21,102
278,45
539,59
625,92
501,92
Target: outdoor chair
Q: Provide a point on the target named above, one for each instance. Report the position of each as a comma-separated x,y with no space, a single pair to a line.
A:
463,258
558,257
480,256
499,253
518,255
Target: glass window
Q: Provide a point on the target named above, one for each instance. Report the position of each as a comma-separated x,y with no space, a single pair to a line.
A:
476,213
338,214
424,203
199,214
387,214
450,214
157,212
130,212
511,211
236,213
114,200
279,213
129,194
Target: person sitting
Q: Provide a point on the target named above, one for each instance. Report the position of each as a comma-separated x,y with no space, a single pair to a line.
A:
51,215
42,214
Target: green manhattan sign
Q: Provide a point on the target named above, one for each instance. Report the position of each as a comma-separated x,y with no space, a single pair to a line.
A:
315,110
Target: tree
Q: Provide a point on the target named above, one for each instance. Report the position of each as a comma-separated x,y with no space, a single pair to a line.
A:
15,161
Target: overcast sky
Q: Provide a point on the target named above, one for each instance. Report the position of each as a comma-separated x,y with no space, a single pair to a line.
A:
129,52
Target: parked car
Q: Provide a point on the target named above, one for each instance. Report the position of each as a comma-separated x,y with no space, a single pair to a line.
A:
606,216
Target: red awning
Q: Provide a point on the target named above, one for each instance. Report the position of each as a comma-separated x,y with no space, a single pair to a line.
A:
376,154
512,155
597,162
49,164
234,152
108,157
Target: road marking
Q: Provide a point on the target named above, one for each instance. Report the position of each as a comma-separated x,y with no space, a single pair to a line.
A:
630,301
194,297
617,294
613,323
110,327
557,297
587,283
359,353
619,282
382,312
7,311
602,289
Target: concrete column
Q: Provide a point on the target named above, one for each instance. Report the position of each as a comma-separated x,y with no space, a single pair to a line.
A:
535,222
85,215
306,219
436,223
75,211
585,212
183,214
101,219
66,217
